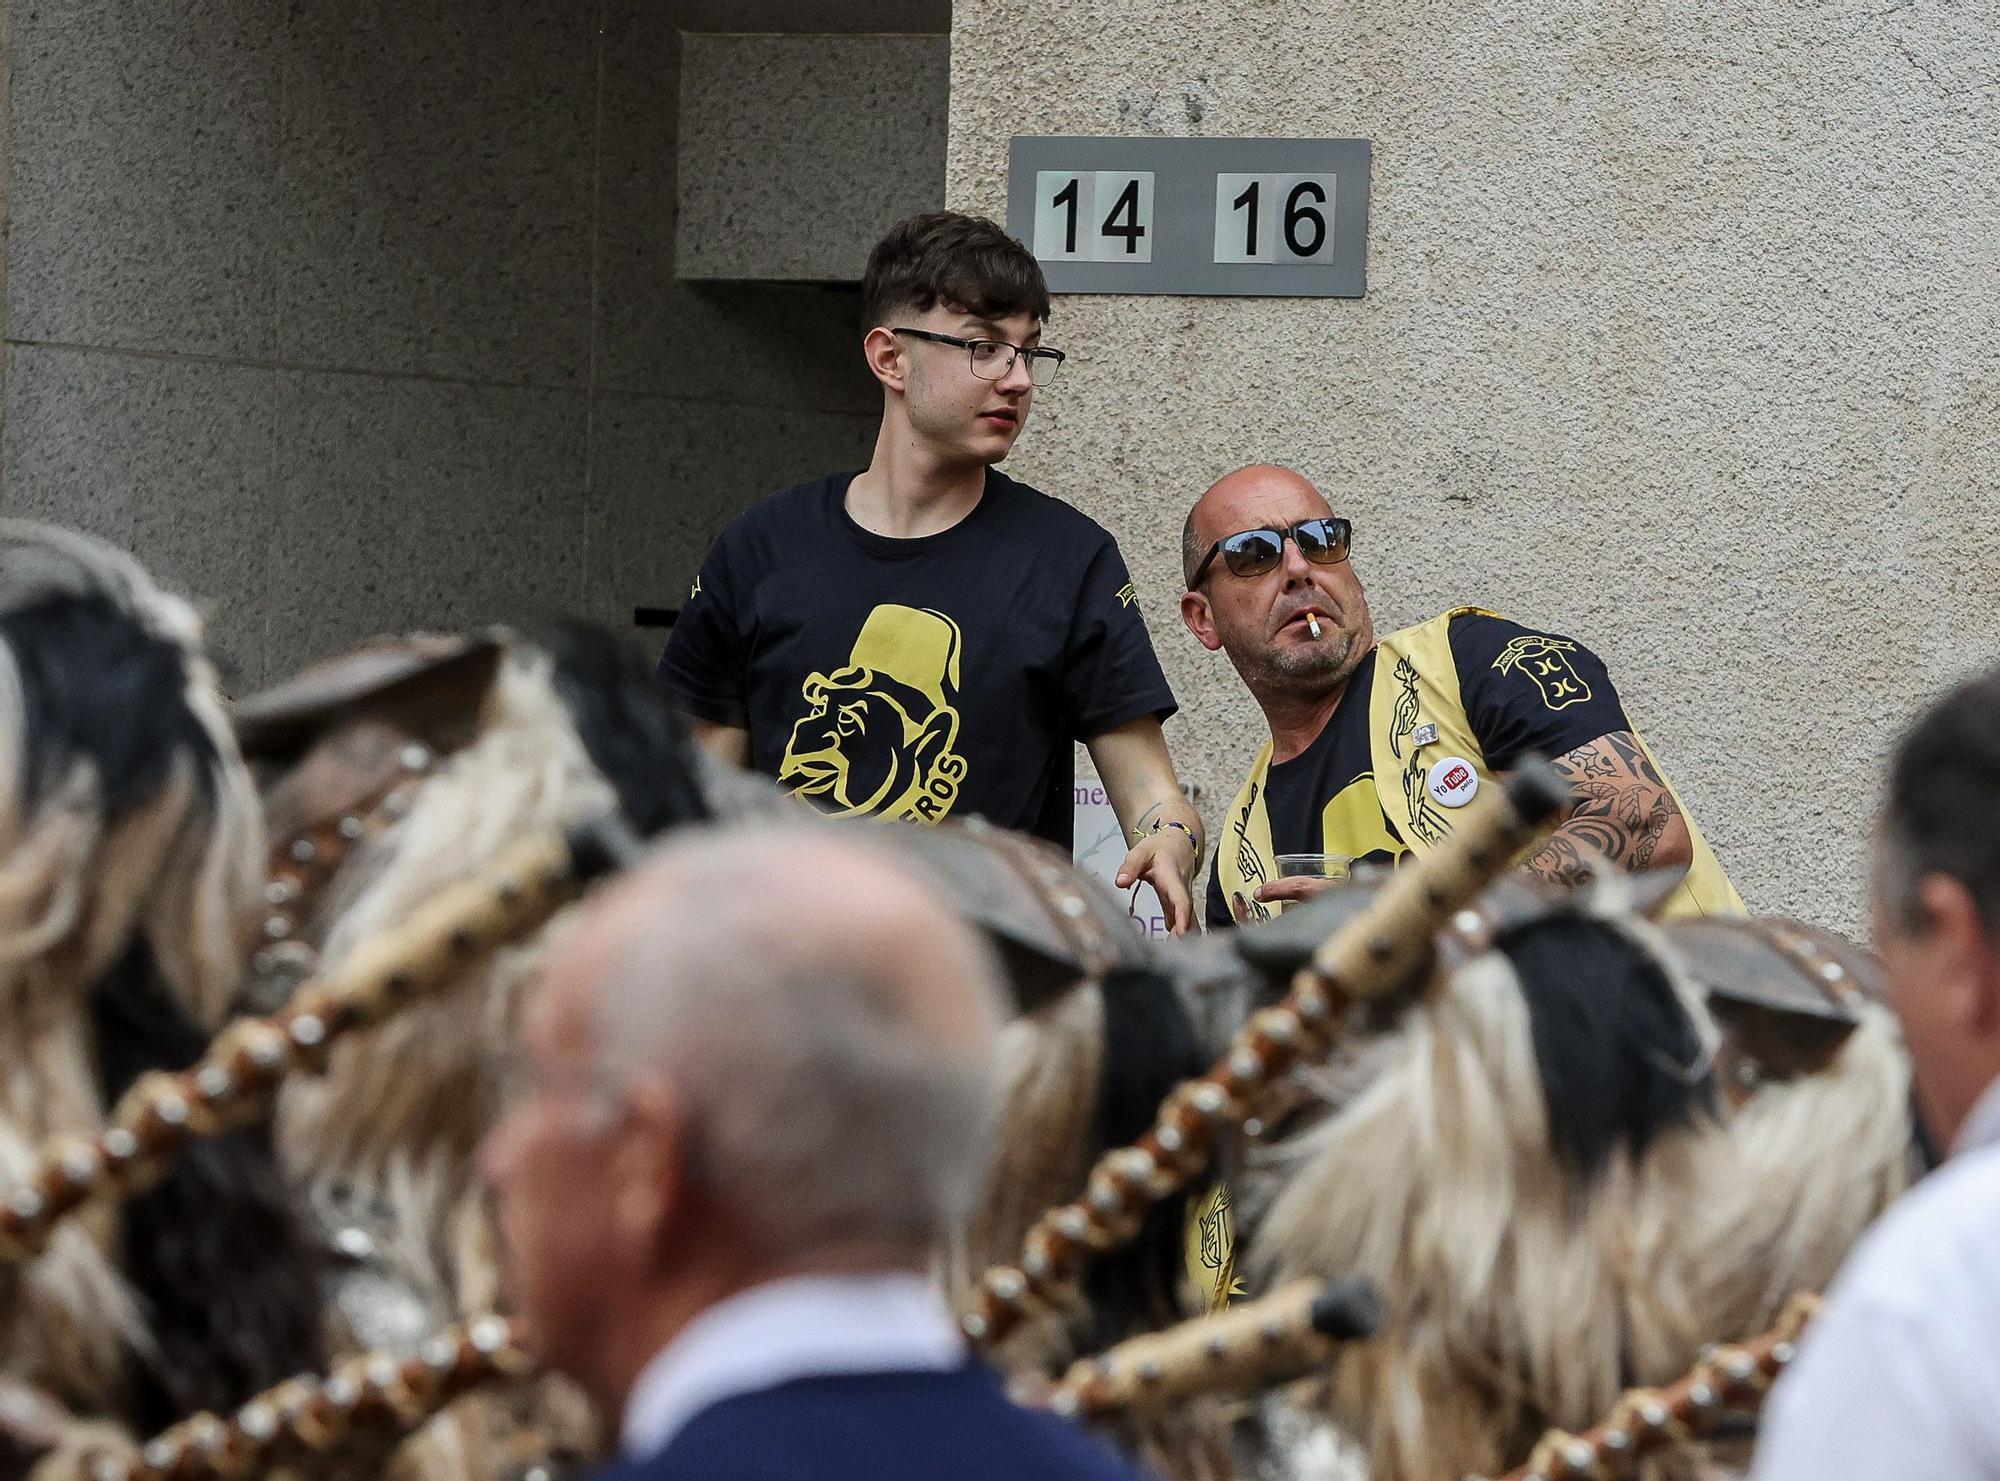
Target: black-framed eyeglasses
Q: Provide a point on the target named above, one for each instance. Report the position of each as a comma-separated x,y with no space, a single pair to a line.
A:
992,359
1253,552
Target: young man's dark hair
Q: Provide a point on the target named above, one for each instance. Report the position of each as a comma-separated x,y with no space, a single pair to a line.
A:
1944,800
966,262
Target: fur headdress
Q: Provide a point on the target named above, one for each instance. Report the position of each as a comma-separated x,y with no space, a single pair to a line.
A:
1545,1185
131,855
562,730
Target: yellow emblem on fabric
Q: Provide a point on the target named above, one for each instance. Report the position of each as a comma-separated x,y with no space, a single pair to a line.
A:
1542,659
695,590
1126,595
1244,867
1353,824
877,736
1210,1249
1427,823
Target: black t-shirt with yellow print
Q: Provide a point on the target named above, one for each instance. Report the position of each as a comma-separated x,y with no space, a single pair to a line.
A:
938,677
1323,800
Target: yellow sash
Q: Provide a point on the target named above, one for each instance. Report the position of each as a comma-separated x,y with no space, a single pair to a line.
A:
1416,684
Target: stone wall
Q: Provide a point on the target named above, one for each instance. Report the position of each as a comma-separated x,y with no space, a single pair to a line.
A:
361,316
1682,336
798,151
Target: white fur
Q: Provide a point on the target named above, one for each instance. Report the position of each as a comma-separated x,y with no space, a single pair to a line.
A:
1517,1297
401,1110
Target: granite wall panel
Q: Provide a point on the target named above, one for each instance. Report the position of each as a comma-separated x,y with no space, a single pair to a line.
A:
170,458
143,171
365,316
796,150
438,188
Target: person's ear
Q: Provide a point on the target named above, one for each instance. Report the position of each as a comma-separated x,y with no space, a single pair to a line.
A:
1963,961
649,1170
884,354
1199,618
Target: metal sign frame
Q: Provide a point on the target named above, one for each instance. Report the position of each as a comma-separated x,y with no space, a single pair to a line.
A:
1181,255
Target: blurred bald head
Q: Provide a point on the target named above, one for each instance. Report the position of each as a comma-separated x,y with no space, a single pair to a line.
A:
826,1019
766,1052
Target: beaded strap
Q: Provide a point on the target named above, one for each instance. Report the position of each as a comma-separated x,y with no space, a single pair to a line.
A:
1285,1335
372,1396
236,1079
1726,1379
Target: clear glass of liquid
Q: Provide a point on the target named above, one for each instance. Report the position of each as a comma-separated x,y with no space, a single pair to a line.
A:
1315,866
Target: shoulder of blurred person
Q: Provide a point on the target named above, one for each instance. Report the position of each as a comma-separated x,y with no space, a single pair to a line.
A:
863,1374
1899,1376
879,1426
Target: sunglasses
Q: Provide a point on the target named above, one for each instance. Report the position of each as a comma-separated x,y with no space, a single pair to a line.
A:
1253,552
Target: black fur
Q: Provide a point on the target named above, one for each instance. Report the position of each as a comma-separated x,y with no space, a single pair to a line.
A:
214,1250
217,1250
1149,1048
131,719
629,727
1619,1059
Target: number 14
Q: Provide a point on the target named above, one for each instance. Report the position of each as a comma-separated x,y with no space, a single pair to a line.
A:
1094,216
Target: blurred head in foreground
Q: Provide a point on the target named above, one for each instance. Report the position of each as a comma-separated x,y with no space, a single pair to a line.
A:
765,1053
1937,901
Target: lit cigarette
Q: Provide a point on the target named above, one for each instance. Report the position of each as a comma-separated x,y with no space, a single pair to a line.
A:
1312,623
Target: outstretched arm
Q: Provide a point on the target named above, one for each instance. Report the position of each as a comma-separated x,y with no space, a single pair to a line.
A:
1623,812
1138,775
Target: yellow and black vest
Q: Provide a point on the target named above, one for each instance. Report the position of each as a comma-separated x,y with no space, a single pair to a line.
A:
1416,685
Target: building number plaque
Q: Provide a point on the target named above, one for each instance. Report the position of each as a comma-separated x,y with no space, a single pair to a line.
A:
1253,217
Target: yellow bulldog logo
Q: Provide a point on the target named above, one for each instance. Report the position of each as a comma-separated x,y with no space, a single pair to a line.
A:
876,739
1542,659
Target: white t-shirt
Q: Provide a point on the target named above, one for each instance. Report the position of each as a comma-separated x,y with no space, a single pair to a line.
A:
1898,1379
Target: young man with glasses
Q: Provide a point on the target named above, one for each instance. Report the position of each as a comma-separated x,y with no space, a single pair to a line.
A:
928,638
1375,743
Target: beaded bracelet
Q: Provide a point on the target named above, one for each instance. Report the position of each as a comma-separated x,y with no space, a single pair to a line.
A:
1162,825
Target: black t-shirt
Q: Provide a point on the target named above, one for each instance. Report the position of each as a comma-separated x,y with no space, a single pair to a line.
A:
1324,800
929,678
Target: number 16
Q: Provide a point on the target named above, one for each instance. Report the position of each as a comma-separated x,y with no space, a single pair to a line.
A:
1273,218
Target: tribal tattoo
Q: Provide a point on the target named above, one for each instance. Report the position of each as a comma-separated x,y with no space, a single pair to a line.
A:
1624,813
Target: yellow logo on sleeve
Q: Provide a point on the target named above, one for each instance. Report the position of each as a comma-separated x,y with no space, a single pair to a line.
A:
1542,659
1127,595
877,736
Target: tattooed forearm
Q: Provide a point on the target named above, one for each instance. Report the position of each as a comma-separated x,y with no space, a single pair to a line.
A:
1623,813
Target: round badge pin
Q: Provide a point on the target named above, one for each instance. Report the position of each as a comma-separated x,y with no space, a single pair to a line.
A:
1454,781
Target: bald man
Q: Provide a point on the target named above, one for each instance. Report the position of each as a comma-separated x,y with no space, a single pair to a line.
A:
1377,742
738,1134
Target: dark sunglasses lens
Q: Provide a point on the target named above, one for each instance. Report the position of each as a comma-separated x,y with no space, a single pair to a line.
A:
1253,552
1322,541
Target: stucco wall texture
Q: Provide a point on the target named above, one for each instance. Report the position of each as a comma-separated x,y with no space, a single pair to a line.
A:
1682,337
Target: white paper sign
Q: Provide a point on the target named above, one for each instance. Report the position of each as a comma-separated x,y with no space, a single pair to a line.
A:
1279,219
1100,848
1094,215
